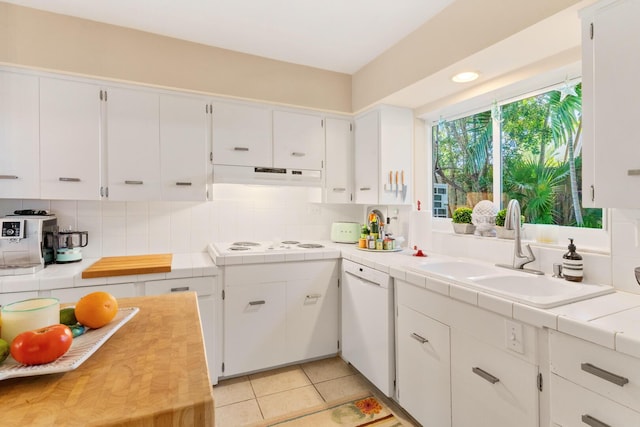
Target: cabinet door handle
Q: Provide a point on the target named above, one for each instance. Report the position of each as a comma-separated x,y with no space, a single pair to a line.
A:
593,193
183,183
297,154
260,302
180,289
67,179
633,172
593,422
128,182
8,177
339,190
420,339
365,188
605,375
240,148
485,375
314,296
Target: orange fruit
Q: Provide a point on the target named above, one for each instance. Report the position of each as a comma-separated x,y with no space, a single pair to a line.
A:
96,309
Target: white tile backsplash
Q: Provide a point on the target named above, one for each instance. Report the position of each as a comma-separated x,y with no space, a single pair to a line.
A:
238,213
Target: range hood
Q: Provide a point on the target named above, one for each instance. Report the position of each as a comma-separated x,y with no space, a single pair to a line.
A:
230,174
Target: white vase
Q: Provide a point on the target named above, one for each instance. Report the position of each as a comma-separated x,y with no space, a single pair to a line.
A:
463,228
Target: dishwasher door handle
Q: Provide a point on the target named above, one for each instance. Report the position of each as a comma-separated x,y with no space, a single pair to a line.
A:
364,279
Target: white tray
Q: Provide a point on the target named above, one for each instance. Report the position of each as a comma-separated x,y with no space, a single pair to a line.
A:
81,349
380,250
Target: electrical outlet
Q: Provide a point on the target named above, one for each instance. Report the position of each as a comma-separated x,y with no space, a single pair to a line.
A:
514,337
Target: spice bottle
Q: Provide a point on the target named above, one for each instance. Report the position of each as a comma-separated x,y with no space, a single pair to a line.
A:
572,264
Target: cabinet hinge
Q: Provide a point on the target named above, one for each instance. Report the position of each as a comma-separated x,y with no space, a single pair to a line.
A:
539,382
591,31
223,367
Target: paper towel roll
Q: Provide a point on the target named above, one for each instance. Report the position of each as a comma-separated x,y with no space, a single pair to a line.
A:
419,229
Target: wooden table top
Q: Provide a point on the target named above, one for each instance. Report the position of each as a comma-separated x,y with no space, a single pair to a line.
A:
151,372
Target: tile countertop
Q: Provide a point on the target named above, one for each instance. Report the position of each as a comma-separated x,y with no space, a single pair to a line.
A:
58,276
610,320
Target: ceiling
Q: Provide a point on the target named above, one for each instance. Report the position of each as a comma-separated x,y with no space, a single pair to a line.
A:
334,35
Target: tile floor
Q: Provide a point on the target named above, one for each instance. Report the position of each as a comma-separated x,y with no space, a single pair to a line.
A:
253,398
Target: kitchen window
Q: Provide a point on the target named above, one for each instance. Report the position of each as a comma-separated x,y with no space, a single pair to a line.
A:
527,149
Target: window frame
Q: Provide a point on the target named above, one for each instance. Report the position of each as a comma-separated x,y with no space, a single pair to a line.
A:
593,240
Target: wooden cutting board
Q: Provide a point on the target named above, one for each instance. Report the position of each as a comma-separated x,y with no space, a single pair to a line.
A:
128,265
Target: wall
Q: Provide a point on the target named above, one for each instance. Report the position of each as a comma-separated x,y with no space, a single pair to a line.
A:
460,30
238,212
37,39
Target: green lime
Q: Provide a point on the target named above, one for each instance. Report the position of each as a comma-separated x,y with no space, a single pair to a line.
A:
68,316
4,350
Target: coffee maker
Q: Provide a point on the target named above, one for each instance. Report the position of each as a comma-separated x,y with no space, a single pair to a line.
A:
26,243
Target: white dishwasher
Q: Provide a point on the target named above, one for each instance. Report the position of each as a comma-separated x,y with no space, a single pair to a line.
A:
368,324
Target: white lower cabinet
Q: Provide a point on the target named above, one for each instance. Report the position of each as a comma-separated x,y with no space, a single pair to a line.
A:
454,367
205,288
254,334
278,313
604,384
423,374
490,387
575,406
72,295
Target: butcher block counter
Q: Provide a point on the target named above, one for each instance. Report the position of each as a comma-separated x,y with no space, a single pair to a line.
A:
151,372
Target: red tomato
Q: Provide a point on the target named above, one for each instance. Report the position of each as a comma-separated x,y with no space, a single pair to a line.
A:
42,345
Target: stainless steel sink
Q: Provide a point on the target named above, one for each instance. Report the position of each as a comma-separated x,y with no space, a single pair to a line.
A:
538,291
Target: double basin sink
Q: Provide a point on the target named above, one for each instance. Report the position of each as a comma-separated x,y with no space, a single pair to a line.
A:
534,290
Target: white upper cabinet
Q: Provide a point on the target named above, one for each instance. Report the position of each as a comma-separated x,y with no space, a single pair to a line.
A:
383,156
366,158
298,140
133,135
339,161
242,135
19,136
611,153
184,147
70,143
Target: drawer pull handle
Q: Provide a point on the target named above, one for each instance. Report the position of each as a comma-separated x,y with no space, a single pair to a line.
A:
485,375
128,182
180,289
605,375
314,296
421,340
257,302
339,190
593,422
67,179
365,188
297,154
183,183
8,177
240,148
633,172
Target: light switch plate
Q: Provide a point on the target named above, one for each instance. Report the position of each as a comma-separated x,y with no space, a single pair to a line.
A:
514,339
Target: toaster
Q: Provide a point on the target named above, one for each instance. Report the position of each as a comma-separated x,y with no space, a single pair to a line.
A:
345,232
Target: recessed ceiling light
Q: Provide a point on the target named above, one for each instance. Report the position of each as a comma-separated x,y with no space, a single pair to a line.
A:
464,77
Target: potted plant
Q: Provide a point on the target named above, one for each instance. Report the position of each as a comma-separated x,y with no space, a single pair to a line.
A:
461,220
501,232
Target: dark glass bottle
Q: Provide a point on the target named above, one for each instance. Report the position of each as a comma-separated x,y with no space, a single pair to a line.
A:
572,264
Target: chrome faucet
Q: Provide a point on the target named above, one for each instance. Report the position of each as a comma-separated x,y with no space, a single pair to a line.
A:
520,259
